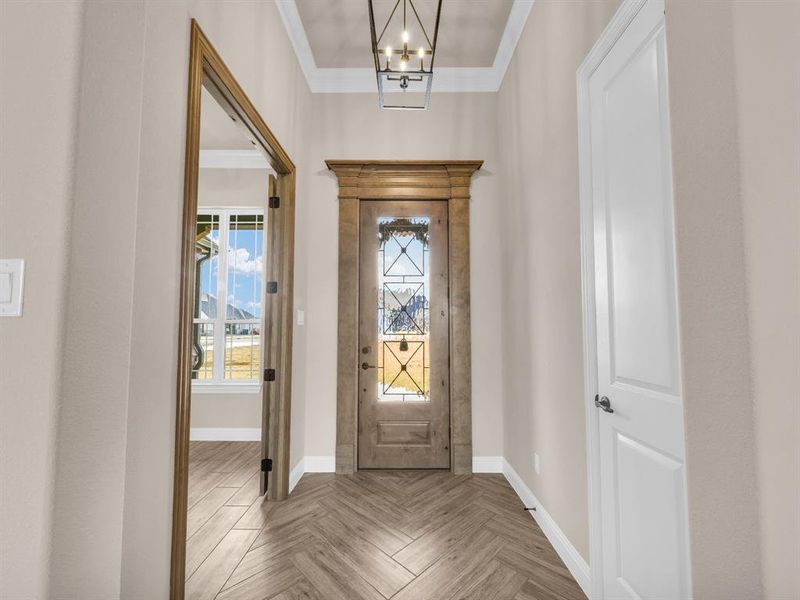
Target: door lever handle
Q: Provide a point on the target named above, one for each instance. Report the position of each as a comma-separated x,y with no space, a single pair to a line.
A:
366,365
603,403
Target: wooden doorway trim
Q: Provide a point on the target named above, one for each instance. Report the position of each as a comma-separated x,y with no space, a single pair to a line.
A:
404,180
206,67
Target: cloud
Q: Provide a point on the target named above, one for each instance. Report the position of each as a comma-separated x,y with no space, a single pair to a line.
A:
239,262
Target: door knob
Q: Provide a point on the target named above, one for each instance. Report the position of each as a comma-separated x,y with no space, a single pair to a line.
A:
366,365
603,403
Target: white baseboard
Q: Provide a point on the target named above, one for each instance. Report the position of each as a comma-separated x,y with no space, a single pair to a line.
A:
311,464
225,434
487,464
320,464
568,553
296,473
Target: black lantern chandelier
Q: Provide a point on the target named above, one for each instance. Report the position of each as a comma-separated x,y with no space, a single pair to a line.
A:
407,68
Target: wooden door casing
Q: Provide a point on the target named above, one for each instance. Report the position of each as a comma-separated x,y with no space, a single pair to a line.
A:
390,180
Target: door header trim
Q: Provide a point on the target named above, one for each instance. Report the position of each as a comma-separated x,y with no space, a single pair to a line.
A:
404,179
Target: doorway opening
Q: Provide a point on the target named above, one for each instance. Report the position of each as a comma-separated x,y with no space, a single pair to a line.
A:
235,342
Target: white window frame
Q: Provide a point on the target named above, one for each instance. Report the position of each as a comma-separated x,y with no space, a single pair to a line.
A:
218,384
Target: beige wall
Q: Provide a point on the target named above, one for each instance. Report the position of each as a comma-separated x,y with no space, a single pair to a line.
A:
351,126
236,411
541,267
767,38
239,188
39,72
718,407
91,451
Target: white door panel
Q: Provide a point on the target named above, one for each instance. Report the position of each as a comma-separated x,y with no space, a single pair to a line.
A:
641,443
651,549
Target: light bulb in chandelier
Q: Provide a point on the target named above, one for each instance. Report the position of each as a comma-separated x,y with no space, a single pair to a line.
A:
421,54
406,37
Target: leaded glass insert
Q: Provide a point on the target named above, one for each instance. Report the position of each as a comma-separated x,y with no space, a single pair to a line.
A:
403,309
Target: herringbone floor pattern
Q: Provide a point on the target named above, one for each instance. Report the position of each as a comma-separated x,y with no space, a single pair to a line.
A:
404,535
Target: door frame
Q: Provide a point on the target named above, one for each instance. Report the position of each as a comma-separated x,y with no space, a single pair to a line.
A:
206,66
400,181
625,14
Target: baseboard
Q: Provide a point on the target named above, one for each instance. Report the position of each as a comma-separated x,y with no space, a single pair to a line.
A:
296,473
568,553
225,434
311,464
487,464
320,464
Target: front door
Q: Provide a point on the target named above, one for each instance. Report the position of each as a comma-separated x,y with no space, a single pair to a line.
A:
641,440
404,371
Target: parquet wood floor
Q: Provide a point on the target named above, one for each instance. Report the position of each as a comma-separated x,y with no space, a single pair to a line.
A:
377,535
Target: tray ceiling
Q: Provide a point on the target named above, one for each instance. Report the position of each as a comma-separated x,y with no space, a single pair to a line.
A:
469,35
477,39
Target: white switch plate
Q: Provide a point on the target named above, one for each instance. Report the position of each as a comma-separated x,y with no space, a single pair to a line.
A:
12,276
5,288
537,463
301,317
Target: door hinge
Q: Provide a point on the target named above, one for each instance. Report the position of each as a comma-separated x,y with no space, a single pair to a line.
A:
272,287
269,374
274,201
266,465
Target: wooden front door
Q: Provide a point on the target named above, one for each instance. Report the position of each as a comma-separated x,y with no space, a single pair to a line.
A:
404,358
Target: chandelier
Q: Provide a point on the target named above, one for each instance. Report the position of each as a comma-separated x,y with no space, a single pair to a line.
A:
405,69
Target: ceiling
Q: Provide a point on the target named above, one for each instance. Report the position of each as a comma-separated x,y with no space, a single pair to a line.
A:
477,39
469,33
217,129
225,143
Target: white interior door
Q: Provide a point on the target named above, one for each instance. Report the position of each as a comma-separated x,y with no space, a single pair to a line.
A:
641,443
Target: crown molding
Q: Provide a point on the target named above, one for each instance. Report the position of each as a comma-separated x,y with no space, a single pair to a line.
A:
445,80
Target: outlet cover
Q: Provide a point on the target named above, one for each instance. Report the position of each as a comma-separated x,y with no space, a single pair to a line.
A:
537,463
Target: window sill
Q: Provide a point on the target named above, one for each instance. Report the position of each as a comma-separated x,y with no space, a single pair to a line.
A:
226,388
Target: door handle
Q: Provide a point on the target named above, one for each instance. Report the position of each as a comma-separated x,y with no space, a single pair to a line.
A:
603,403
366,365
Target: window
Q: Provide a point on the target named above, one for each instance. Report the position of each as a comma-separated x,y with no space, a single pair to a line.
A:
228,318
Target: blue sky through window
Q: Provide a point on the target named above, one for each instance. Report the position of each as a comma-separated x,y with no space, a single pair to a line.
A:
245,259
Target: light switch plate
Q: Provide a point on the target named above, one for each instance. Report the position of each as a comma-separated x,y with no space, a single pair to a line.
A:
301,317
5,288
12,276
